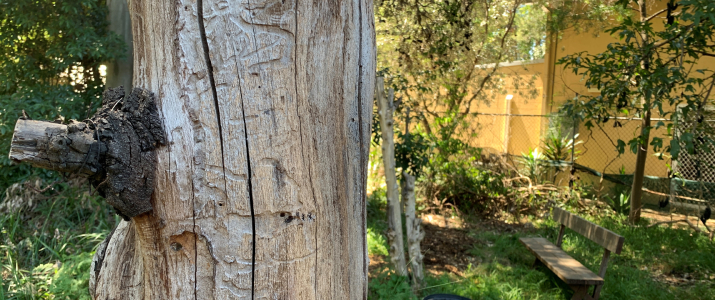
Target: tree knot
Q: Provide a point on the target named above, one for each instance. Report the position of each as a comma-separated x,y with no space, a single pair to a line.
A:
130,128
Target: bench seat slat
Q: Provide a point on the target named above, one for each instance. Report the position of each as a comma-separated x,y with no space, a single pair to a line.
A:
568,269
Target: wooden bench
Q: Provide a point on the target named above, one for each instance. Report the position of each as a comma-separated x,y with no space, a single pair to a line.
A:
572,272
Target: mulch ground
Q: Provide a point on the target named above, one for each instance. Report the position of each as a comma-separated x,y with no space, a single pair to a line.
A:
447,249
447,244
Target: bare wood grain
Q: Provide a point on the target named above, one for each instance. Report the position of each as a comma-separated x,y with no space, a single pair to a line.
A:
564,266
267,150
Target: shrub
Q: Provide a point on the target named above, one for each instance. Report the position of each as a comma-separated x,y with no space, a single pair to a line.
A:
461,184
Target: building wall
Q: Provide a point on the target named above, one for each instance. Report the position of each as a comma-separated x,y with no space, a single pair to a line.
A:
598,150
494,129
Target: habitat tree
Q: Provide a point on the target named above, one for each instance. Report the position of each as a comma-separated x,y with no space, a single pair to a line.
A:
238,161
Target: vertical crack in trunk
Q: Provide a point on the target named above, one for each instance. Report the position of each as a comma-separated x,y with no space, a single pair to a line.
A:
210,71
250,186
250,197
212,82
250,194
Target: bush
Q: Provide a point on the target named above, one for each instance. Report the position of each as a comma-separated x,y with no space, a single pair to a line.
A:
459,183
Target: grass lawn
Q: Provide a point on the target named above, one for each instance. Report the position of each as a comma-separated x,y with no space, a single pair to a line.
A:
656,263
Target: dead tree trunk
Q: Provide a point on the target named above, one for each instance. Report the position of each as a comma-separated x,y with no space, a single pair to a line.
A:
260,187
414,230
394,216
413,223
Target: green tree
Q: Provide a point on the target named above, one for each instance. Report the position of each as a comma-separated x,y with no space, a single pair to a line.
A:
650,71
442,56
50,56
436,53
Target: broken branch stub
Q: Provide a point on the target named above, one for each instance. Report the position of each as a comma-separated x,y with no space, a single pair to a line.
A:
59,147
115,149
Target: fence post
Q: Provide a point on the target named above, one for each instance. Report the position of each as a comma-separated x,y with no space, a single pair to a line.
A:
573,151
507,125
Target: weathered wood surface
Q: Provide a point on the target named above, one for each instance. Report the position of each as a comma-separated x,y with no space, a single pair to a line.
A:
564,266
53,146
386,109
602,236
260,191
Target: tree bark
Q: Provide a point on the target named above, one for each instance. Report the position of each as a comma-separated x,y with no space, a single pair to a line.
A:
119,72
394,216
642,153
414,230
260,189
59,147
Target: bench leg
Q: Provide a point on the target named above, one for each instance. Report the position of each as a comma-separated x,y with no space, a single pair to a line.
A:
580,292
537,263
597,292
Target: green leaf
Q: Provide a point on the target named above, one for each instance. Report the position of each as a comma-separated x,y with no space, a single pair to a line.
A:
657,143
634,145
621,146
674,149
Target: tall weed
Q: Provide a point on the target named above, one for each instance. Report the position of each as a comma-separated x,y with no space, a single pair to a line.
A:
47,242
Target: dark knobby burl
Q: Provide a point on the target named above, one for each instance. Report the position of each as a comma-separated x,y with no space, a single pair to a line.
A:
115,149
131,129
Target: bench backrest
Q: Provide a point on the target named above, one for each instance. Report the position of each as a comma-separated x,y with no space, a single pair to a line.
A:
602,236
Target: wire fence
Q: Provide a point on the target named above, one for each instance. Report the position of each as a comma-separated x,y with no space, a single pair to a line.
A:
690,183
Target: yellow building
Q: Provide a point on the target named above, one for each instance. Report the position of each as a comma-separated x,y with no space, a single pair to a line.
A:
512,126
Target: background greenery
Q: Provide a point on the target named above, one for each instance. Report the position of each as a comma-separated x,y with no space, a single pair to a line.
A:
506,273
51,54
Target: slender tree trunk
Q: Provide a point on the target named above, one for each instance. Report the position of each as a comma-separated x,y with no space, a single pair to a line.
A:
119,72
413,223
641,157
642,154
414,230
260,188
394,217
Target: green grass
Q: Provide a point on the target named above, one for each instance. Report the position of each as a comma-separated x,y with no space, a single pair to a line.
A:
506,271
46,249
45,253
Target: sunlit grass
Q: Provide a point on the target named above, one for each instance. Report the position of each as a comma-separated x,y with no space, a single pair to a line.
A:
506,273
46,250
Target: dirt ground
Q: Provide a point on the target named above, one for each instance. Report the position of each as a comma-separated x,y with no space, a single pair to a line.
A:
660,216
446,244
